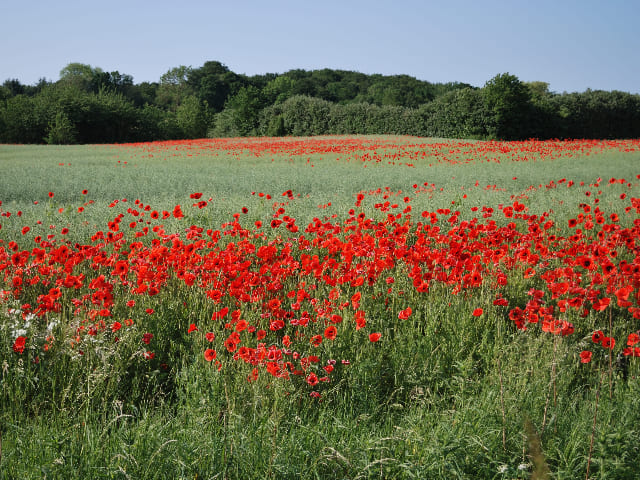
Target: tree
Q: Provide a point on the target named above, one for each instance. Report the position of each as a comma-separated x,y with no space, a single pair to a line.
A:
173,88
214,83
509,101
460,113
240,116
61,130
191,118
82,76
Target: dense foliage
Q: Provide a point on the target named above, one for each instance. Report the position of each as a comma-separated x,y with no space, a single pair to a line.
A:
88,105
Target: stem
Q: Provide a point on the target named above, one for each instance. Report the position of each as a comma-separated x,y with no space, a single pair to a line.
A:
610,361
553,384
504,416
593,428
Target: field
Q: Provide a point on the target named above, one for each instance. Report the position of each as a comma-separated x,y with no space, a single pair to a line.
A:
326,307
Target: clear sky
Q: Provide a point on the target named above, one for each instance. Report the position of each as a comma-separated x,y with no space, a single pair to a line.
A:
571,44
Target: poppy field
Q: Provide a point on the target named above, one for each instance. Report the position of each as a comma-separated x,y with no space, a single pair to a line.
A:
326,307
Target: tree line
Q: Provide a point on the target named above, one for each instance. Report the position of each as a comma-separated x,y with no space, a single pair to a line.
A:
89,105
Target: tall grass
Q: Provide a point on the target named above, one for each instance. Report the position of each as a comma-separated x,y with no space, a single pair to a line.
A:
443,394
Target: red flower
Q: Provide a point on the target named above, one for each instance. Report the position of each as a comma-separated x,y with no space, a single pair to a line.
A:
192,328
597,336
115,326
585,356
146,338
404,314
477,312
608,342
633,339
331,332
210,336
177,212
149,355
312,379
50,194
210,354
374,337
19,344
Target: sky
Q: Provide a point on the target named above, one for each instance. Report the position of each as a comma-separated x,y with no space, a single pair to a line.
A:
571,44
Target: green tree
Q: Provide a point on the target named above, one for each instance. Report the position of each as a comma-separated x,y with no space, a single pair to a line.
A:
460,113
278,89
82,76
214,83
173,88
509,101
23,120
61,131
191,118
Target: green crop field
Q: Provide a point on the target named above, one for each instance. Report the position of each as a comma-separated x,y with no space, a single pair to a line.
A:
324,307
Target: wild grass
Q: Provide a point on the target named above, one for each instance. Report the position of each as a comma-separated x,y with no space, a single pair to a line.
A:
443,394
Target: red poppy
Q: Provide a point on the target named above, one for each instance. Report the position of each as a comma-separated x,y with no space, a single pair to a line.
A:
312,379
146,338
210,354
404,314
633,339
477,312
374,337
608,342
192,328
597,336
149,355
331,332
585,356
19,344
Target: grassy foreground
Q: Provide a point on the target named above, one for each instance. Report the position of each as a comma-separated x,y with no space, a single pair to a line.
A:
350,307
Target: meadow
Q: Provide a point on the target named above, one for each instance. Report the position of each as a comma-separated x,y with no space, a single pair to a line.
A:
326,307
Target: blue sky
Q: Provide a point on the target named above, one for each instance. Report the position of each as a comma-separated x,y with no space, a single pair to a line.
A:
573,45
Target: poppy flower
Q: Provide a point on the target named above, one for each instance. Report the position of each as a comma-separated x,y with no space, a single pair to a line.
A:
374,337
633,339
312,379
608,342
404,314
192,328
331,332
146,338
477,312
597,336
149,355
210,354
585,356
19,344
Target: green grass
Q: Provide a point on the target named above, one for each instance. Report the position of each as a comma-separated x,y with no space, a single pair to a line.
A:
442,395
